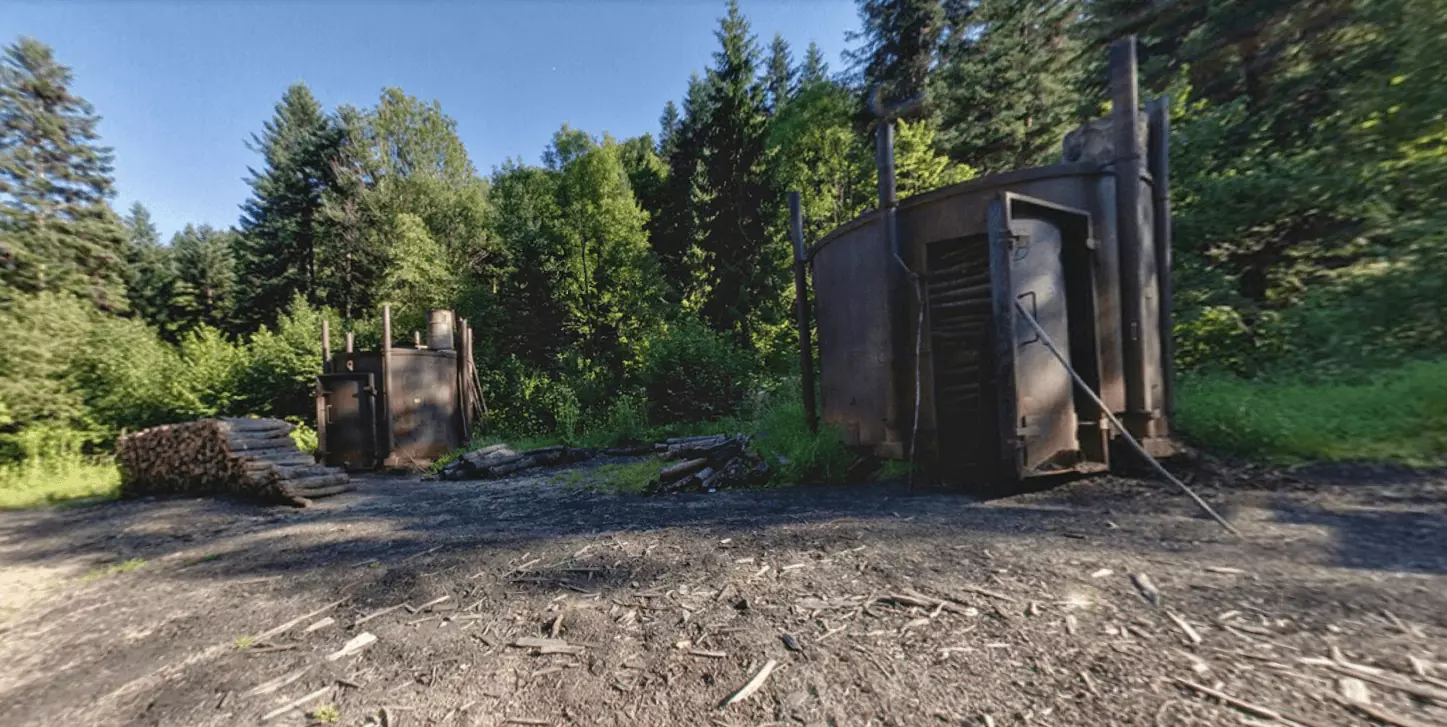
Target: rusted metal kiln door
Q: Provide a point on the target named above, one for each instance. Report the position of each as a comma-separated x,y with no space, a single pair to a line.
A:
1046,419
348,420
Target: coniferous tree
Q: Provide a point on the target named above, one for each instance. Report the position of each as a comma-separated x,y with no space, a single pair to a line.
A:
281,223
899,39
206,289
815,69
675,241
1006,88
668,129
647,177
738,200
57,231
150,273
780,76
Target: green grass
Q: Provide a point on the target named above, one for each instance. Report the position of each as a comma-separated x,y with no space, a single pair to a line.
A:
325,714
779,434
36,483
625,478
123,567
1392,415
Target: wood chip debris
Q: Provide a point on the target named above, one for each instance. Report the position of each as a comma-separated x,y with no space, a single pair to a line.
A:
1241,704
289,625
753,685
1377,713
359,642
1191,634
319,625
1353,690
289,706
548,646
1146,588
277,683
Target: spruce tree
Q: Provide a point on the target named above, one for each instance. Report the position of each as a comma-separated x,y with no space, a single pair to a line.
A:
675,238
206,290
815,69
281,222
150,273
899,41
738,197
57,231
1006,90
668,129
779,81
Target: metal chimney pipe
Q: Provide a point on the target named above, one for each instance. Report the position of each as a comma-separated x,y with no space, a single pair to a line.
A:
1125,102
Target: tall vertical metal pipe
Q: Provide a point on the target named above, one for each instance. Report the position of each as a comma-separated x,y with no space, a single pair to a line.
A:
464,397
326,346
387,431
894,411
801,298
1125,103
1158,112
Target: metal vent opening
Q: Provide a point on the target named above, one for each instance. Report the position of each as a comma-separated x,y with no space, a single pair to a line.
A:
958,293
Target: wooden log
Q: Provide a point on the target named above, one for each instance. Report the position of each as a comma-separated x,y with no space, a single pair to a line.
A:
252,425
670,474
294,458
317,492
257,438
328,480
262,445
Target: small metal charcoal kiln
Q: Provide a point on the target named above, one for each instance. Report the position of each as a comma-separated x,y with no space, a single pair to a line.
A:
397,407
1083,246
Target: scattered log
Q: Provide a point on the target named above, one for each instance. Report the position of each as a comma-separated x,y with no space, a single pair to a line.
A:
495,461
253,458
682,469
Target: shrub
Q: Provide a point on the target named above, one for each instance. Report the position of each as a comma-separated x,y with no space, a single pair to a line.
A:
692,373
212,371
282,365
531,403
130,378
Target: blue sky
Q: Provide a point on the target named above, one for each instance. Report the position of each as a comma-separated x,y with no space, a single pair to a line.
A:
182,85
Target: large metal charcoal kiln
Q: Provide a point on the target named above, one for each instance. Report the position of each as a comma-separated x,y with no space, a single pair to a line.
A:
399,406
1083,245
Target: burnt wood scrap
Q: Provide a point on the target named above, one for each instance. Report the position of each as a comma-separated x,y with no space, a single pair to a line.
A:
709,463
699,464
499,460
252,458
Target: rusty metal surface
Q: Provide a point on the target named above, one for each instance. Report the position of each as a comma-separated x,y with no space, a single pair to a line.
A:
851,284
426,415
348,420
1046,407
859,371
439,329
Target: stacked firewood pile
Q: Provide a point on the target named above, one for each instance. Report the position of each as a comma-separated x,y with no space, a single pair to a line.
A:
708,463
499,460
254,458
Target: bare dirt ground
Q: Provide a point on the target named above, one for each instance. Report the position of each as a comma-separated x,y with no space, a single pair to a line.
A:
877,606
